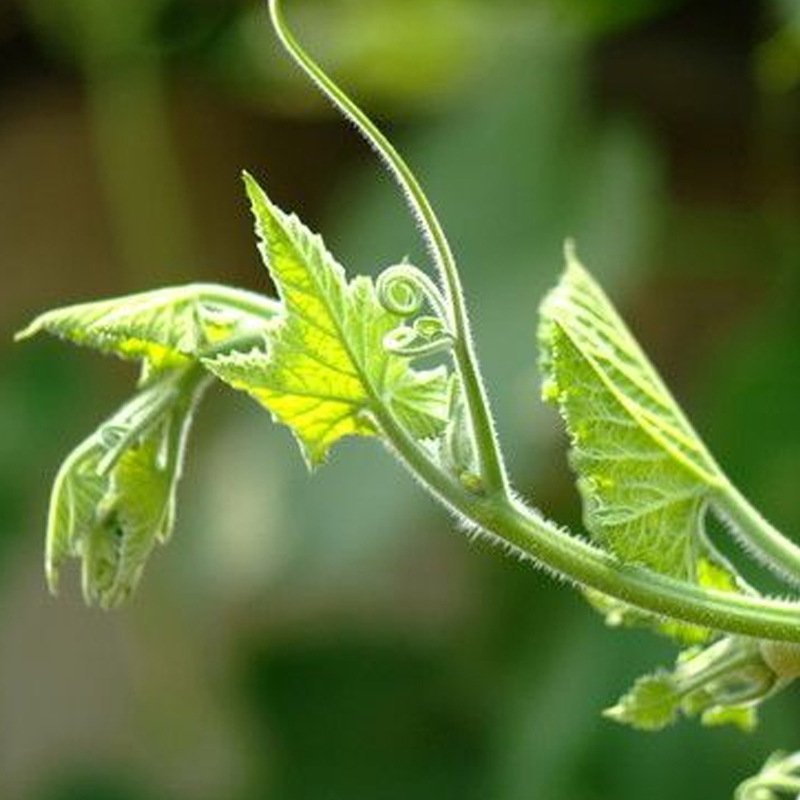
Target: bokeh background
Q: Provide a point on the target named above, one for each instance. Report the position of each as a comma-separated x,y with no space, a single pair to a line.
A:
332,638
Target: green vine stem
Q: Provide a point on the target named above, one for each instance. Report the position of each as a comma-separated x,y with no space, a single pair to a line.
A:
495,511
758,536
493,470
511,524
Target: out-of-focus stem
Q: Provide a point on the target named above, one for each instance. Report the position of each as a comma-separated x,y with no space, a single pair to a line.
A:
141,181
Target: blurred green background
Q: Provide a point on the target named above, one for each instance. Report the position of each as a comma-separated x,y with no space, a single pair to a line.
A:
331,638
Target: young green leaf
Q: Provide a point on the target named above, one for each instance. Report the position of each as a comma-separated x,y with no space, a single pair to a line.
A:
328,372
114,496
165,327
644,474
723,684
113,499
652,704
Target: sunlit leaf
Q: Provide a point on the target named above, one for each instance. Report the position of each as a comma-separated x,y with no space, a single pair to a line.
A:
327,369
165,327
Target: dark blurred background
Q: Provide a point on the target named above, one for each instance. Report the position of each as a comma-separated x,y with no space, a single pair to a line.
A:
332,638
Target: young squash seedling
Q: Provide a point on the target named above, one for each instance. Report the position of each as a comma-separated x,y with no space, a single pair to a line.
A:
339,356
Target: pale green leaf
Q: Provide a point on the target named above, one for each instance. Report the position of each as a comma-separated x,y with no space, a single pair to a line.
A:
327,368
644,475
722,684
114,497
652,704
165,327
745,718
76,495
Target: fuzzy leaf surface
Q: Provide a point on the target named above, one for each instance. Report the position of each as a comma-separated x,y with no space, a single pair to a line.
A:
327,368
651,705
644,474
164,327
113,499
722,684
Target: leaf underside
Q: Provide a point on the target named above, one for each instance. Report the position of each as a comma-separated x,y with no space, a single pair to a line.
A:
722,684
327,373
113,499
653,703
644,475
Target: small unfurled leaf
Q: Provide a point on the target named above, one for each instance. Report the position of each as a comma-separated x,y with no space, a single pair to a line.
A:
723,684
165,327
652,704
745,718
327,369
644,475
114,497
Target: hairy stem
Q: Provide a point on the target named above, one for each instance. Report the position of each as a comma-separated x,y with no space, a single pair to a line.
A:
492,468
496,512
529,535
779,554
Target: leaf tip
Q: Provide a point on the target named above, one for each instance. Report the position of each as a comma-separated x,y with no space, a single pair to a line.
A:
51,576
28,331
615,714
314,454
570,250
255,192
573,265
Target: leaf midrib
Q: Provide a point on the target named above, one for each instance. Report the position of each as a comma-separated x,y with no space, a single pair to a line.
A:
713,482
293,228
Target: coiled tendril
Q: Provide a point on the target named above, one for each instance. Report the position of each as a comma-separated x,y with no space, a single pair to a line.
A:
405,290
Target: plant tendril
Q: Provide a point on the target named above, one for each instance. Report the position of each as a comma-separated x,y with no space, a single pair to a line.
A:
408,342
405,290
491,461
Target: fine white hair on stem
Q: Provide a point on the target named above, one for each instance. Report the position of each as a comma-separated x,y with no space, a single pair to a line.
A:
491,460
423,214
